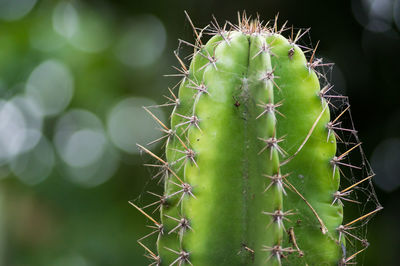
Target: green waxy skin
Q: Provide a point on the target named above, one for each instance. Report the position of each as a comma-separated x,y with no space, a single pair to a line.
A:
250,131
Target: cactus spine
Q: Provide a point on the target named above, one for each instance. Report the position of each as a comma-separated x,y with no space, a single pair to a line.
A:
250,171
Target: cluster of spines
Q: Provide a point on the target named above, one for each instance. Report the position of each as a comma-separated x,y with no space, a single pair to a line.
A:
265,83
171,171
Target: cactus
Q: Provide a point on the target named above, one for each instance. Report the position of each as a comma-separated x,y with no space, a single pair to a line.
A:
251,175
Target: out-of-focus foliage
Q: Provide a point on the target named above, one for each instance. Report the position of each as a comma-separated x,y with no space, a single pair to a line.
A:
72,86
74,76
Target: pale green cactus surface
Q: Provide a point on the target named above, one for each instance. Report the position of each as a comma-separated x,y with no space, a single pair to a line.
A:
251,174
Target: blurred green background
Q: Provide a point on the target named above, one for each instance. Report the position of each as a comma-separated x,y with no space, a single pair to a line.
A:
74,76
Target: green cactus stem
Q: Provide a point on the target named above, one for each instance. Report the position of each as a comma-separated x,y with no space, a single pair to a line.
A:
250,172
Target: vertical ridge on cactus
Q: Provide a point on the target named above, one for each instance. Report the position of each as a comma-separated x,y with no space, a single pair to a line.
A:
250,174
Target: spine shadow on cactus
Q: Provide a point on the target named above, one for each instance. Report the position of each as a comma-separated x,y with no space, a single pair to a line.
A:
250,175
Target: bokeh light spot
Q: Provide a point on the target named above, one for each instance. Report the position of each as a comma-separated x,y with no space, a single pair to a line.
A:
128,124
88,158
15,9
33,120
65,19
96,173
142,43
12,131
92,35
84,147
34,166
374,15
381,9
72,129
51,85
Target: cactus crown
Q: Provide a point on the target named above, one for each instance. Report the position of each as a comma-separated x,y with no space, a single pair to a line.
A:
251,175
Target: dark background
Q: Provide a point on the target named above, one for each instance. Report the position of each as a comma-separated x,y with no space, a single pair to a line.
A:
49,216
